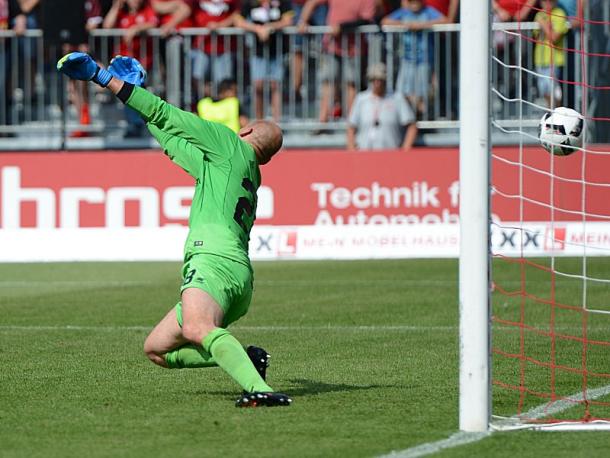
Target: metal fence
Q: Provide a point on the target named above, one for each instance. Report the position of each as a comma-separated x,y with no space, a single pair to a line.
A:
305,81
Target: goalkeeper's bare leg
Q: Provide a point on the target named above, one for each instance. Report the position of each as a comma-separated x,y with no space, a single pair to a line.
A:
210,345
164,338
202,324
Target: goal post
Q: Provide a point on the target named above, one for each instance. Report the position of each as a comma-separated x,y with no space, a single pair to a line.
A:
474,310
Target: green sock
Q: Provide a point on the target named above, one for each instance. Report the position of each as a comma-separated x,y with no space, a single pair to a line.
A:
231,356
189,356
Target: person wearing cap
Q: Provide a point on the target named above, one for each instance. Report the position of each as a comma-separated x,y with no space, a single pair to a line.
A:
378,119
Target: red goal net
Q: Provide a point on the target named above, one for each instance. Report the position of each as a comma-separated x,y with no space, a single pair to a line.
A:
551,256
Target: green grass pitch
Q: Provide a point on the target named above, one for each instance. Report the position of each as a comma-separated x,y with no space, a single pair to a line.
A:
367,349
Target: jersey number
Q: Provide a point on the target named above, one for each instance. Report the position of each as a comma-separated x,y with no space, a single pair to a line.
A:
245,205
189,277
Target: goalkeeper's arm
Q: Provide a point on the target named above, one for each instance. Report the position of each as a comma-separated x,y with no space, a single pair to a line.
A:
202,134
122,78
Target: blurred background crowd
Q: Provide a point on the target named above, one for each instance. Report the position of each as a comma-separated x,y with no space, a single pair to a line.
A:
365,74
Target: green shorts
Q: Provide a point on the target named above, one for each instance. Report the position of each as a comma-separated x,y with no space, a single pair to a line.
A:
228,282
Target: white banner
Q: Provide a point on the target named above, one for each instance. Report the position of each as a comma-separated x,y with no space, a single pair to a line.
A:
355,242
558,239
305,242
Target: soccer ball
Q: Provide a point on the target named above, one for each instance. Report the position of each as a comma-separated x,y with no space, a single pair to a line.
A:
560,131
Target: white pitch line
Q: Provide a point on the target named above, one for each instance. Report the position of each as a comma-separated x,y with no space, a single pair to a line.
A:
67,283
348,328
294,283
9,327
545,410
455,440
406,328
237,328
383,281
461,437
399,281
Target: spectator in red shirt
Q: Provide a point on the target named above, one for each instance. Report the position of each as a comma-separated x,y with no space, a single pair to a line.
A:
212,57
172,14
509,11
512,10
448,8
340,63
135,17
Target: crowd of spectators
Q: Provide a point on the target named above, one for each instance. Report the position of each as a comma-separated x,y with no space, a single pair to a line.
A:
66,23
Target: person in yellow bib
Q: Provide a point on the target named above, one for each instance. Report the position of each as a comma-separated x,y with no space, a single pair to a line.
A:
549,52
225,109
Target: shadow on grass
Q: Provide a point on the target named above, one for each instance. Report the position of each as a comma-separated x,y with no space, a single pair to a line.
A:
312,387
304,387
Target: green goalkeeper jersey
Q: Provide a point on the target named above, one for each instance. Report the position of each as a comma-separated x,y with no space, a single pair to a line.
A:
226,173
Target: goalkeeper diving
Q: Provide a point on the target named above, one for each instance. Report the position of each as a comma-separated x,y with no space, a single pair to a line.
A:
217,274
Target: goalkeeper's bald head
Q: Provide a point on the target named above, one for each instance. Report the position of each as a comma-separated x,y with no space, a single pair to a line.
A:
265,137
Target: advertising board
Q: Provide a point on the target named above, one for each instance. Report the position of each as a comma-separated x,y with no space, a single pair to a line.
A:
311,205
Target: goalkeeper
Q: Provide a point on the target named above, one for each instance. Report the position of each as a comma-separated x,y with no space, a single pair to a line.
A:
217,275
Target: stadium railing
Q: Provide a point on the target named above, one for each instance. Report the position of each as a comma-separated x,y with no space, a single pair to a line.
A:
35,107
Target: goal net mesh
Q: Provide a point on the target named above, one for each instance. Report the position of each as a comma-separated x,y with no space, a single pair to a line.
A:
550,230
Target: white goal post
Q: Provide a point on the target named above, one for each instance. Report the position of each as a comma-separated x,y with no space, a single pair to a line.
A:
475,79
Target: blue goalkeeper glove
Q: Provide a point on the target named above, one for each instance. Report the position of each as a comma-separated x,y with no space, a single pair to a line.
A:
81,66
128,69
